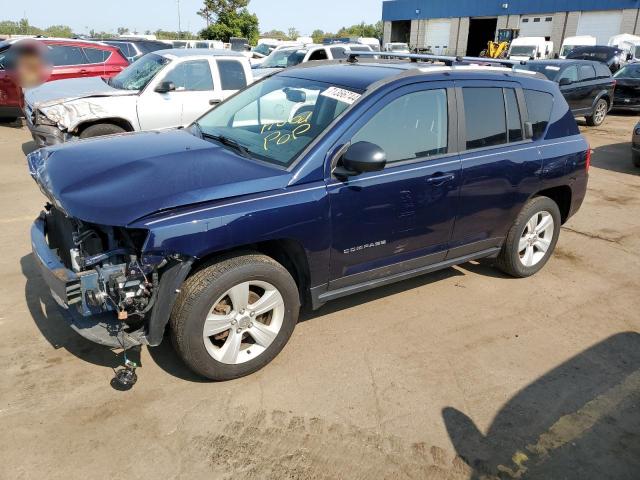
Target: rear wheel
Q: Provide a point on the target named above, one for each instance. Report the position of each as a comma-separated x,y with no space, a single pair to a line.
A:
599,113
636,159
234,316
101,129
532,238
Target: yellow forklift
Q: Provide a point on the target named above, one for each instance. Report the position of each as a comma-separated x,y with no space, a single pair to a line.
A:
499,48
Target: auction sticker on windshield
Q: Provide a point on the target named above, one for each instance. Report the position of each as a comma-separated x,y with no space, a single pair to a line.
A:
340,94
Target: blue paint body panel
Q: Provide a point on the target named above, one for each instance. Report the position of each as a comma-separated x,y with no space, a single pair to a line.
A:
406,9
197,199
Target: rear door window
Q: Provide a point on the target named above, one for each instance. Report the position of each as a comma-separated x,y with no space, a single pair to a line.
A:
410,127
95,55
570,73
338,53
587,72
514,122
232,75
539,105
485,117
320,54
192,76
62,55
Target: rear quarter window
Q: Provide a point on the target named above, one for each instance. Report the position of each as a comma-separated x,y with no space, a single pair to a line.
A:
95,55
539,106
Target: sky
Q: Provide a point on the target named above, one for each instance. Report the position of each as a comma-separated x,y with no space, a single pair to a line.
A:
141,15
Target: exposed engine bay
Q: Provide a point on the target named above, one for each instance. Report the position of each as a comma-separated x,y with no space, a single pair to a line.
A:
107,261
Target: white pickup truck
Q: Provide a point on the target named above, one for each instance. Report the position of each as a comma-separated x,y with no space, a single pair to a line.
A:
163,89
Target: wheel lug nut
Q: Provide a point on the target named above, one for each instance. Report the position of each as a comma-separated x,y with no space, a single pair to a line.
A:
239,330
253,314
251,325
233,322
242,311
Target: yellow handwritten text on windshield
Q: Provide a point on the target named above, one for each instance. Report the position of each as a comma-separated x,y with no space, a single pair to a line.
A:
280,133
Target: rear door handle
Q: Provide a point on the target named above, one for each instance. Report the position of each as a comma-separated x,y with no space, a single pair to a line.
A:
213,101
440,179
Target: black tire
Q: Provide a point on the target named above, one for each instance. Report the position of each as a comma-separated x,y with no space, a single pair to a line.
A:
596,120
8,119
101,129
636,159
208,284
509,258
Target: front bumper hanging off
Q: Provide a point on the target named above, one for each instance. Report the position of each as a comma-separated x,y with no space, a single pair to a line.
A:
66,289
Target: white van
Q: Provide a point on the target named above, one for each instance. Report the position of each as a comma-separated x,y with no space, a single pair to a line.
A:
630,44
528,48
374,43
572,42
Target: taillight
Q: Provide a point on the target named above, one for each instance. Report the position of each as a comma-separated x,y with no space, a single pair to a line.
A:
588,159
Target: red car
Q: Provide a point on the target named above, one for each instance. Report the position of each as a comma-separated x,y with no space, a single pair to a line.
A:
69,59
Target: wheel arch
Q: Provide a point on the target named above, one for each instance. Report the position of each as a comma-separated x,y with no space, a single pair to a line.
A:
562,196
119,121
286,251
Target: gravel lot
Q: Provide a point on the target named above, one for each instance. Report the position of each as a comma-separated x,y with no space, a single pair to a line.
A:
460,374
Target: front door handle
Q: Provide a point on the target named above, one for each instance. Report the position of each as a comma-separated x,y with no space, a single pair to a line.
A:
440,179
213,101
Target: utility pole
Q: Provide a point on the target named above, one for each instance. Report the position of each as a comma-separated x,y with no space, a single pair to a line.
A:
179,23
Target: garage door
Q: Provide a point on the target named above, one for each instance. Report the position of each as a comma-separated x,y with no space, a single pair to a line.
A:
437,36
602,25
536,26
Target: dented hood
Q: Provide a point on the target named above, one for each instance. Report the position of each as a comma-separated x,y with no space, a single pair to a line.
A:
59,91
118,179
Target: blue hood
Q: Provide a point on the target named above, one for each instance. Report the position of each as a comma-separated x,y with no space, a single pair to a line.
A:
117,180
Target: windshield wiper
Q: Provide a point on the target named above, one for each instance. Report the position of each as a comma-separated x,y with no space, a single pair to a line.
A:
226,141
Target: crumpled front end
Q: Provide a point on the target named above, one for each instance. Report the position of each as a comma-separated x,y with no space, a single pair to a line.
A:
107,286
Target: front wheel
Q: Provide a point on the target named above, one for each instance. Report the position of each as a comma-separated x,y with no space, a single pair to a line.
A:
532,238
234,316
636,159
599,113
101,129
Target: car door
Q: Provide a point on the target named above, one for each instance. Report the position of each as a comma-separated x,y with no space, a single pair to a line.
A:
401,218
193,89
571,91
589,87
500,168
232,76
96,57
68,61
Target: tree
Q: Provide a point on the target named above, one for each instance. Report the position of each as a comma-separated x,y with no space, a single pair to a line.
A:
277,34
318,36
229,18
123,30
61,31
293,33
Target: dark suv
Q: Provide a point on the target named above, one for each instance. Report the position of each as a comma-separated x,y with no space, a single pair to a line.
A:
587,86
312,184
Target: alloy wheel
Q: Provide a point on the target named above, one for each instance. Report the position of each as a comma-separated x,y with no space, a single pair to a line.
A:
243,322
536,238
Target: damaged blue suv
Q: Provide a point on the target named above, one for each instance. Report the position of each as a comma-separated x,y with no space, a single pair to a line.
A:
318,182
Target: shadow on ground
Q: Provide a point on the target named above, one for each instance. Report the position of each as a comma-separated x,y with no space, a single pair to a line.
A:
581,420
615,157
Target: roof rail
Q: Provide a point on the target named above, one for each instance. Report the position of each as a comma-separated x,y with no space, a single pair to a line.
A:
446,59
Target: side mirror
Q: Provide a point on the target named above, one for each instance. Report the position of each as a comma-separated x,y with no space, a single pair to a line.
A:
360,158
629,57
165,87
565,81
538,55
528,130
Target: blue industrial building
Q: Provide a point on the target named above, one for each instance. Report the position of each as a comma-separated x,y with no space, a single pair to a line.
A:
465,26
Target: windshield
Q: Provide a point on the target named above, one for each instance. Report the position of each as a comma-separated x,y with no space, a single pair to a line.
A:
137,75
284,58
523,51
276,119
628,71
549,71
263,49
567,49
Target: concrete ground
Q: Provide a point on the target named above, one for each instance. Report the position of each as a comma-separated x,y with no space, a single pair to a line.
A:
460,374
